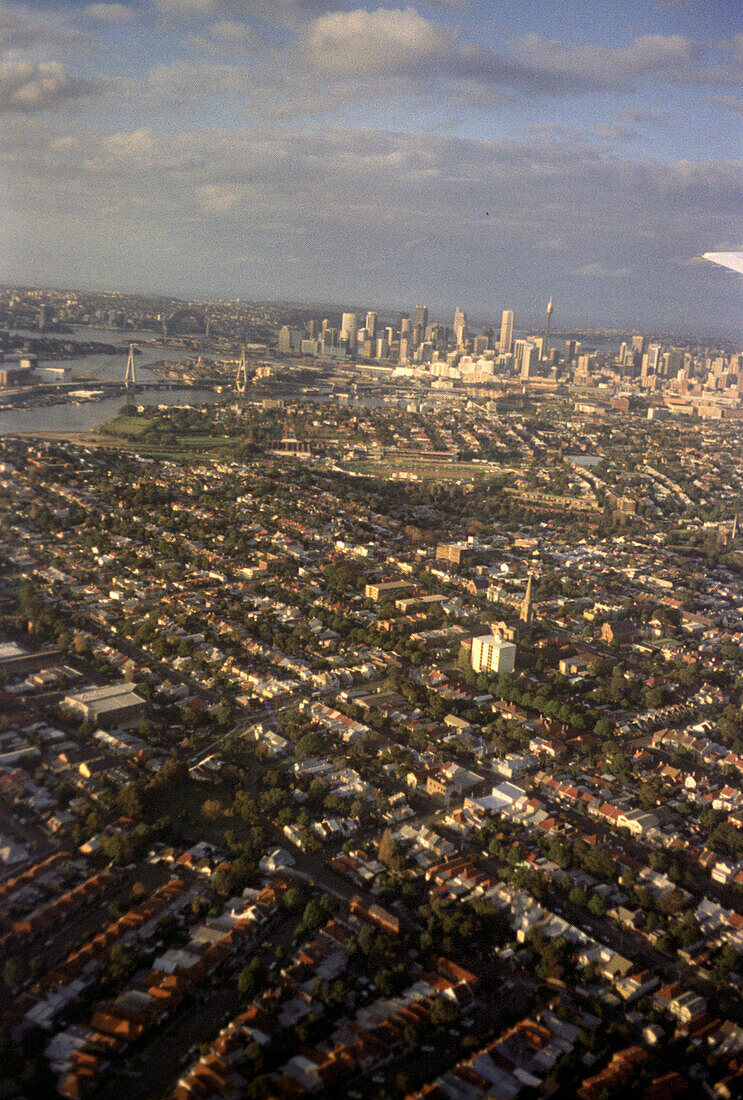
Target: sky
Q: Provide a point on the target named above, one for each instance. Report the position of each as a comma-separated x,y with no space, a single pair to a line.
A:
486,154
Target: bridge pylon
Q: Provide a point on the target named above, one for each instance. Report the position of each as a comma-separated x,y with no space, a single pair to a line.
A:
241,378
130,378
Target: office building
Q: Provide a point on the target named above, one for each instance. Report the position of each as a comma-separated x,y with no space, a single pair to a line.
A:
349,328
420,318
492,654
460,326
111,706
506,332
654,352
524,352
285,338
371,325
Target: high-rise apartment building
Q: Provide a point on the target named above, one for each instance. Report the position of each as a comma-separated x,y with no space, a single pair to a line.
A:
492,654
506,332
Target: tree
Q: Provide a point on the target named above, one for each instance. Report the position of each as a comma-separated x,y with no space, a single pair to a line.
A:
603,727
443,1012
388,851
312,917
577,897
292,899
211,809
138,892
597,905
15,971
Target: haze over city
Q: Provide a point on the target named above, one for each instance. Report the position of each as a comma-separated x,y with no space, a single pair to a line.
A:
485,154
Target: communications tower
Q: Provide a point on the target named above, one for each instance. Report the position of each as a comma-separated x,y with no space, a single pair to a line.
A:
241,378
547,330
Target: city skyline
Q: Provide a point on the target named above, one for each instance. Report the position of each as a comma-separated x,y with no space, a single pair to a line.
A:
449,153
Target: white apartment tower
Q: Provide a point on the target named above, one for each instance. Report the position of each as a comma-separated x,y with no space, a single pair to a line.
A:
492,654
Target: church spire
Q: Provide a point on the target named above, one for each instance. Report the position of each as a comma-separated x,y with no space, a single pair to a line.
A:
526,610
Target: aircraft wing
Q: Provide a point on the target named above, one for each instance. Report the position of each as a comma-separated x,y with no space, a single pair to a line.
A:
733,261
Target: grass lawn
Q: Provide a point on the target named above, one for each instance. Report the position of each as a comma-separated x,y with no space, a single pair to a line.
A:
427,471
130,426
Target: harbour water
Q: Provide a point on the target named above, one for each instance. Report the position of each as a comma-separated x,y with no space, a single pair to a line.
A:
88,415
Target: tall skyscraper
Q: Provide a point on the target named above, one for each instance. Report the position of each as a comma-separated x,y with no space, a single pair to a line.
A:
349,328
285,338
654,353
371,324
506,332
524,355
420,318
460,326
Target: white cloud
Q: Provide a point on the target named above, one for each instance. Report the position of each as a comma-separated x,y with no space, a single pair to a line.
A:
27,87
110,13
402,42
217,200
378,41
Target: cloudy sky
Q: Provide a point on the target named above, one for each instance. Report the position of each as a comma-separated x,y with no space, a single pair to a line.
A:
481,153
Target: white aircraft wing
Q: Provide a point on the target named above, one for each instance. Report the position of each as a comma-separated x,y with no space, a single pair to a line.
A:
733,261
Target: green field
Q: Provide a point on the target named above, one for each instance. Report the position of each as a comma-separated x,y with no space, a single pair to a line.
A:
427,470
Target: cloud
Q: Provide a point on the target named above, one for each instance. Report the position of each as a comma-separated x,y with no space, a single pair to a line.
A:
189,9
229,38
727,102
27,87
283,13
217,200
222,193
110,13
651,55
23,30
231,30
402,42
379,41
